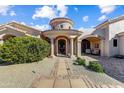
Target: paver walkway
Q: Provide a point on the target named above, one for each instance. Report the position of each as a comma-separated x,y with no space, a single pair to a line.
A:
63,76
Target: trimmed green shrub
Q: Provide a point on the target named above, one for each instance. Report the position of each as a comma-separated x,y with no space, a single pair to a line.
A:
24,50
95,66
81,61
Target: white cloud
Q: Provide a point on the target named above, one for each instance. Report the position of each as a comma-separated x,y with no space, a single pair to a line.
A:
23,23
4,9
92,26
107,8
101,18
50,12
83,29
44,12
62,9
76,9
86,31
85,18
41,27
12,13
32,23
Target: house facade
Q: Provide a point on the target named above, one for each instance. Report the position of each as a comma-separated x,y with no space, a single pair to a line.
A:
15,29
106,39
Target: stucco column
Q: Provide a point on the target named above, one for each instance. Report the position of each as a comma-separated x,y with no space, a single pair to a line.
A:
78,48
52,47
72,47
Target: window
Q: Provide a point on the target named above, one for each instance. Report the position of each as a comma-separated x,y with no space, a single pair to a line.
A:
115,42
61,26
69,27
96,45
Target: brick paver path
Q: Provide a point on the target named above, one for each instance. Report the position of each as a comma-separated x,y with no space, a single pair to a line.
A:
62,76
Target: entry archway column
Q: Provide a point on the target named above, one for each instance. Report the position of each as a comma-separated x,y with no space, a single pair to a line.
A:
79,48
72,46
52,47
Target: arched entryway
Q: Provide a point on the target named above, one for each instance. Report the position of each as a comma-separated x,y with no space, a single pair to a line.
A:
62,47
85,45
91,45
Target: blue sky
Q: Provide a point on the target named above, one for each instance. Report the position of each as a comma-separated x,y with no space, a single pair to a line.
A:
84,16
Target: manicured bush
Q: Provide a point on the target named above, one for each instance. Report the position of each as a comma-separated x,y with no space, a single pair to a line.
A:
95,66
80,61
24,50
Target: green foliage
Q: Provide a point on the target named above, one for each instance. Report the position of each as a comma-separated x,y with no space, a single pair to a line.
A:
24,50
95,66
81,61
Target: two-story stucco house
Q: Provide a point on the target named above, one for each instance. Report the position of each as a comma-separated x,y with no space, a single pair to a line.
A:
106,39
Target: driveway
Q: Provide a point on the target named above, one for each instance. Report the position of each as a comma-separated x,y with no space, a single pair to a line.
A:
58,72
66,75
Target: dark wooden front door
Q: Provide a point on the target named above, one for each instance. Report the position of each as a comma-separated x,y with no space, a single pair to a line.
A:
62,47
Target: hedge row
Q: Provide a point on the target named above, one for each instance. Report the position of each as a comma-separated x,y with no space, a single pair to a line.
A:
24,50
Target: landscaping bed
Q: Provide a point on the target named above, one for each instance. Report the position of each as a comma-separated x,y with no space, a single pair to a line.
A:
93,65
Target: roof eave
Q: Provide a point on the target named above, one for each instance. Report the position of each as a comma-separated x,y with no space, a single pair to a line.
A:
23,25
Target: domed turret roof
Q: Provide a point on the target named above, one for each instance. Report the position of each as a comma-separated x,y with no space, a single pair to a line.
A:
56,21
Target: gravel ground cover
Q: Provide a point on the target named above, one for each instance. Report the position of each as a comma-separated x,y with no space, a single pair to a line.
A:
22,75
97,78
114,67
